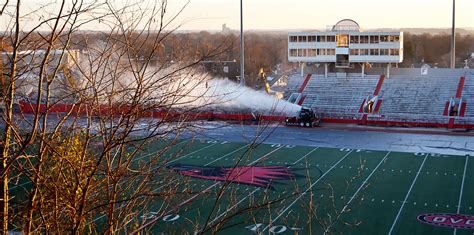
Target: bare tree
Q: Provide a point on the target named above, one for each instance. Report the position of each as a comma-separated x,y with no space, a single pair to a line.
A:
79,110
81,163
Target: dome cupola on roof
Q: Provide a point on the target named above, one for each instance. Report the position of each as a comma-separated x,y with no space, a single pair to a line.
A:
346,25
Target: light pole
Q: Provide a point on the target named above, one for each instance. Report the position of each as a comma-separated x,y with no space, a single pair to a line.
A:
242,78
453,38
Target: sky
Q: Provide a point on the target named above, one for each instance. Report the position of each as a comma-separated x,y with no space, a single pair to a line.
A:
314,14
301,14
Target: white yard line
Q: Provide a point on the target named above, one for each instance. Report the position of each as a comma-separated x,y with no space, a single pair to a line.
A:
408,194
235,205
309,188
149,154
365,181
217,159
462,189
264,156
20,185
186,155
360,188
255,190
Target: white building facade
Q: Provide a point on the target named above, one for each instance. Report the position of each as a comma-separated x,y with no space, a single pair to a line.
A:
345,45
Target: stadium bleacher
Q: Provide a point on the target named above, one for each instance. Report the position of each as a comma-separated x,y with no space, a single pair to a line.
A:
403,97
332,95
416,96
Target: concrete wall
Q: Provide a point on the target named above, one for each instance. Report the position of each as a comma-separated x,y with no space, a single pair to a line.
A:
439,72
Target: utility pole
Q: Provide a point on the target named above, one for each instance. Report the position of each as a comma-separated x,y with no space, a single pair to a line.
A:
453,38
242,78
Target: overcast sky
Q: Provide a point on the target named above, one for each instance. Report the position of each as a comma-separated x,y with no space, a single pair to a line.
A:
305,14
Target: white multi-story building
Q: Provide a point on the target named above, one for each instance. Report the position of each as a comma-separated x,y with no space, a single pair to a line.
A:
345,45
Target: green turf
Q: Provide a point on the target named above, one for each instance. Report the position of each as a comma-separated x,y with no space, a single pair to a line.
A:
378,194
370,185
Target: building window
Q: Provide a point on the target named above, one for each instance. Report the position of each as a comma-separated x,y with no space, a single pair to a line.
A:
331,51
384,38
321,38
374,39
311,38
393,38
342,40
384,52
354,51
312,52
394,52
364,39
302,39
301,52
293,52
321,51
374,51
293,39
331,38
355,39
364,52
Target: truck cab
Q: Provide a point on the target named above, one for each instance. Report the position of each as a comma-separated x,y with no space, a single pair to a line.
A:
305,118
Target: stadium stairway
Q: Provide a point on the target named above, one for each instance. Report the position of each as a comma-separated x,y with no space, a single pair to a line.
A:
303,86
466,112
462,107
363,120
297,83
468,96
305,83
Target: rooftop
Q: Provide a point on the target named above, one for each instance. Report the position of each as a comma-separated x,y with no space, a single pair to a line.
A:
346,25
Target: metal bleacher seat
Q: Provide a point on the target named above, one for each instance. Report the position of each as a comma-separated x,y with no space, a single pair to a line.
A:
417,98
295,81
333,95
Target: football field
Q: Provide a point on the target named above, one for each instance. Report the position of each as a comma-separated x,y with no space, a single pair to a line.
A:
240,188
286,189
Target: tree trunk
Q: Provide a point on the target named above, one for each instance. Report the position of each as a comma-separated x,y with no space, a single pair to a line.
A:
5,145
4,149
4,195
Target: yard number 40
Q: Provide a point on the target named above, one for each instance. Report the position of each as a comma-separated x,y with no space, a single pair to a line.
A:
274,229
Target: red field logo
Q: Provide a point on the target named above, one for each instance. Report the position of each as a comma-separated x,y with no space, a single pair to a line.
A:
259,176
448,220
